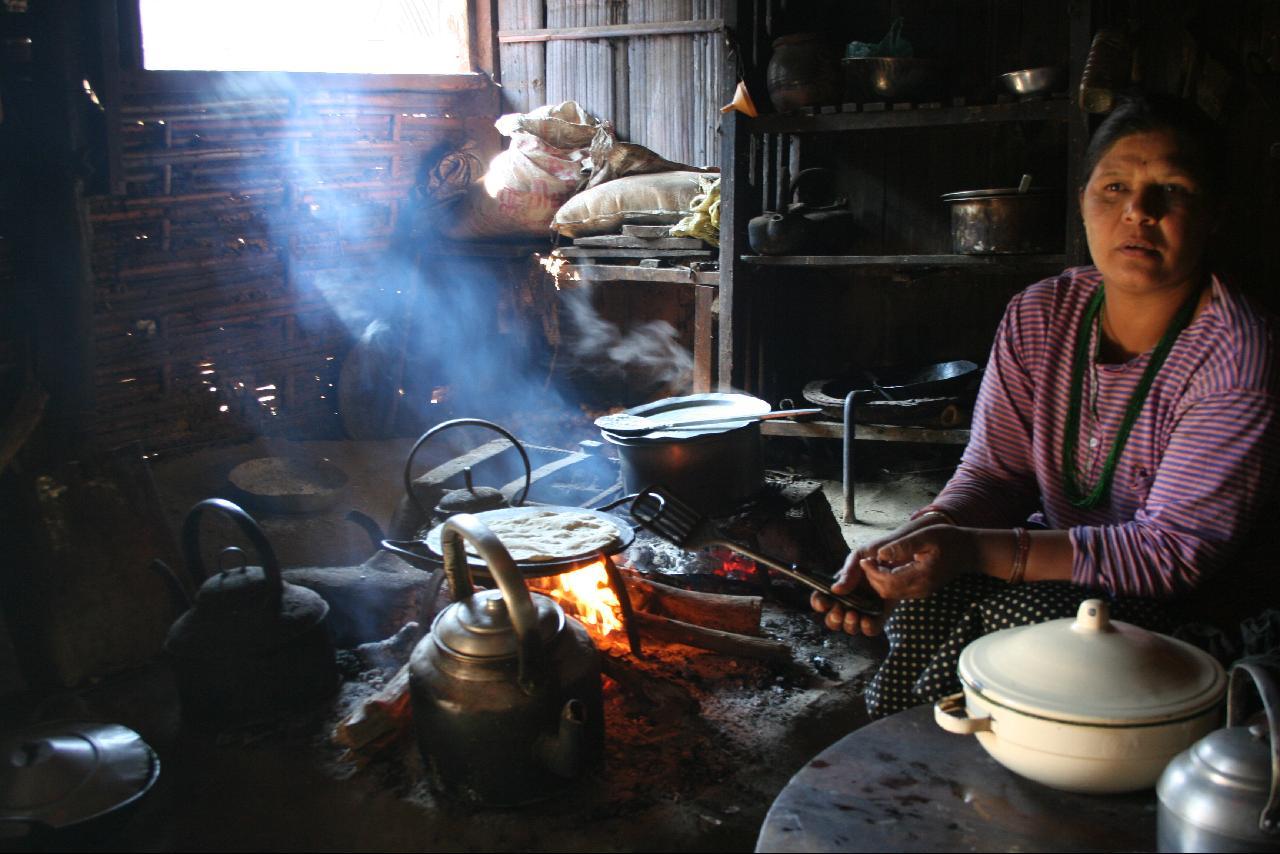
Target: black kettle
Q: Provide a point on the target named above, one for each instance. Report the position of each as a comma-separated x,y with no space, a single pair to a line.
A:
822,226
250,646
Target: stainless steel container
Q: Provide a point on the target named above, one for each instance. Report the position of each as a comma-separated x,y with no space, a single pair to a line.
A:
1005,221
714,468
1223,792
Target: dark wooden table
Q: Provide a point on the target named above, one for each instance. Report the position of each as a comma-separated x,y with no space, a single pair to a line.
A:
902,784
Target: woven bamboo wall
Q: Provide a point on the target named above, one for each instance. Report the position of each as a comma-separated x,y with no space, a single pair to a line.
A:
253,238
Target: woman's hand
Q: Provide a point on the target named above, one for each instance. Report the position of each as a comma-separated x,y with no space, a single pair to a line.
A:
918,563
910,563
838,618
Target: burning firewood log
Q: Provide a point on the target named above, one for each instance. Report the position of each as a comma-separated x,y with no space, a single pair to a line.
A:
728,643
380,721
738,614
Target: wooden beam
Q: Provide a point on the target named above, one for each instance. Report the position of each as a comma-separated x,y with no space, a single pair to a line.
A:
572,274
866,432
611,31
704,337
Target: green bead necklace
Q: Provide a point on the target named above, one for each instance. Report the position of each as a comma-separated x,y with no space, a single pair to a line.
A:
1092,316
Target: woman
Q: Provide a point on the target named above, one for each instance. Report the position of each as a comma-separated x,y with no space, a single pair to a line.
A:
1128,416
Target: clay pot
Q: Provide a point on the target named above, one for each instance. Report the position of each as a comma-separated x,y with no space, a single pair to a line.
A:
804,72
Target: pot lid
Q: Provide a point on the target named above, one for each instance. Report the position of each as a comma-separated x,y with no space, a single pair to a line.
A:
994,193
1092,669
694,407
480,625
62,773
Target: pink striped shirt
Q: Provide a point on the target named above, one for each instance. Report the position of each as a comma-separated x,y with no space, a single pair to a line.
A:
1200,465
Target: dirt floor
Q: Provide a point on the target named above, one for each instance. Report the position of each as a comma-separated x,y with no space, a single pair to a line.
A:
697,744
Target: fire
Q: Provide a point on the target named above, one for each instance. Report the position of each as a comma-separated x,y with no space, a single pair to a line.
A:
735,566
585,593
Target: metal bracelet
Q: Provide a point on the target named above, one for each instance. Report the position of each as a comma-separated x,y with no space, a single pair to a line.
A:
1022,547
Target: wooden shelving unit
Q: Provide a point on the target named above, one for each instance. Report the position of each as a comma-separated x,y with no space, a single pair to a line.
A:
1003,262
876,116
760,154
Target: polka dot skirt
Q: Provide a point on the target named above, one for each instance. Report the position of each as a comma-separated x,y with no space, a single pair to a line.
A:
927,635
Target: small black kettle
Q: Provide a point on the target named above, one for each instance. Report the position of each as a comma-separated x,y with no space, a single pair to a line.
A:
250,646
470,498
805,226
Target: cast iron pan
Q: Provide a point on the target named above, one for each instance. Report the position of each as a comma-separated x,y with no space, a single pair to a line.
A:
427,550
930,387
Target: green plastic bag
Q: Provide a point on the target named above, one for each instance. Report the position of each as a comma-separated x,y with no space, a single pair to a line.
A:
893,44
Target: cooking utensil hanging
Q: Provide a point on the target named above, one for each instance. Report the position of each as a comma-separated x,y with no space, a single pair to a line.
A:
662,513
623,424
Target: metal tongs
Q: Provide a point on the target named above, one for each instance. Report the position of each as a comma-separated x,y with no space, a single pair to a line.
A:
660,512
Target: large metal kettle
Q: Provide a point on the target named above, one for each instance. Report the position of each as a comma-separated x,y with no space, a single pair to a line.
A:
250,646
507,701
1223,792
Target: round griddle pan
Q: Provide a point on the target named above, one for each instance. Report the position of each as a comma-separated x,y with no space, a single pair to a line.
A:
428,549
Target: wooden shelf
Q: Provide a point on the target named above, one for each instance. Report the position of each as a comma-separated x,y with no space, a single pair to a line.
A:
909,261
867,432
572,275
875,116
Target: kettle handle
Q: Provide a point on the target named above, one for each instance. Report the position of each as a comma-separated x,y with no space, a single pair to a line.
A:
463,422
1263,678
524,616
191,544
806,177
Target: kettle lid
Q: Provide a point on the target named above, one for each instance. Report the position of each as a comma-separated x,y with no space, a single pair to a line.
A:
1238,754
479,626
471,499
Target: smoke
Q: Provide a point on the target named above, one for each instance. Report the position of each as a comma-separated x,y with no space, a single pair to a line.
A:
649,354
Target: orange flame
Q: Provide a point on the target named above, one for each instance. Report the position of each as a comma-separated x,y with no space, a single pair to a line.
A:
585,593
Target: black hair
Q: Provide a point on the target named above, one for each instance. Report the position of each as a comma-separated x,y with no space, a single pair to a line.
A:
1200,141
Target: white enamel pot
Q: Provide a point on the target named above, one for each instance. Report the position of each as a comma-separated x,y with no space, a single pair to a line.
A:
1086,704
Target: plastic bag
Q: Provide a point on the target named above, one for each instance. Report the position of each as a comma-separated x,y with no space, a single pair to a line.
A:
703,221
528,182
893,44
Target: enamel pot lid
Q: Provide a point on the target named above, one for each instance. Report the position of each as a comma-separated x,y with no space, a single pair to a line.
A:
62,773
1093,670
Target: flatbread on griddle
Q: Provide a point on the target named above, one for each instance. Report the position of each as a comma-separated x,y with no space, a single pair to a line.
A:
547,535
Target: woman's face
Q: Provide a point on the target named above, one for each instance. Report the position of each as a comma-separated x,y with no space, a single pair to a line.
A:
1146,216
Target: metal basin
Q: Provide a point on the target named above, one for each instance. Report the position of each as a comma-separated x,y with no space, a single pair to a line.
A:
891,78
1032,82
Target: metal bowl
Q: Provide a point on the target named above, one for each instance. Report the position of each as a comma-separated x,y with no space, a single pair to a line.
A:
1035,81
891,78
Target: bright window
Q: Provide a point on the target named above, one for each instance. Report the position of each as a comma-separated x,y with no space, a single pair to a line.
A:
338,36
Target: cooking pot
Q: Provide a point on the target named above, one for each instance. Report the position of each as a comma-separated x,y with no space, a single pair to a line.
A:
1223,793
507,700
714,468
1006,221
1086,705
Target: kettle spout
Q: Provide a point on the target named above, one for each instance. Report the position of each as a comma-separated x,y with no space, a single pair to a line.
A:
564,754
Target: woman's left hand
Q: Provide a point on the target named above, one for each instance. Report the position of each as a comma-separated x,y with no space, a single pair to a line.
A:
917,564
